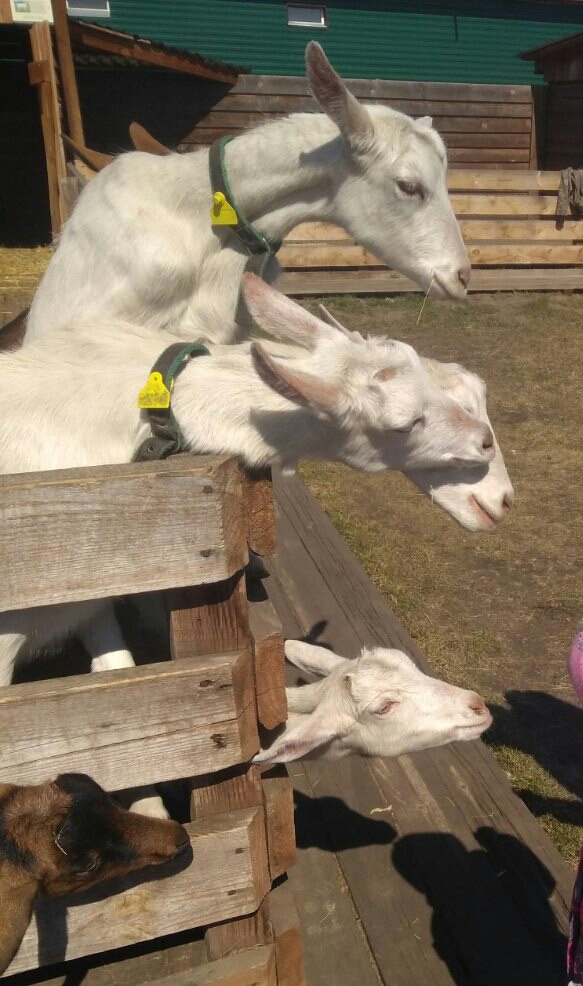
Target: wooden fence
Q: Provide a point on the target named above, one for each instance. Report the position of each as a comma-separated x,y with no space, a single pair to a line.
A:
182,525
507,219
484,126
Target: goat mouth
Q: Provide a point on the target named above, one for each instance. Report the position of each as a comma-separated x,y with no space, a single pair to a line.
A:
444,292
488,520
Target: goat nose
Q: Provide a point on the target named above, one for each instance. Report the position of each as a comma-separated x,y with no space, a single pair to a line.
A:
507,501
464,274
478,705
487,439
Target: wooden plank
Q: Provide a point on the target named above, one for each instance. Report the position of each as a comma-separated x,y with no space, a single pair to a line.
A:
110,530
260,512
501,155
253,967
335,948
67,70
318,255
447,800
42,51
133,726
213,618
389,89
220,791
209,619
306,283
471,229
223,881
269,662
279,820
240,934
501,181
288,941
483,140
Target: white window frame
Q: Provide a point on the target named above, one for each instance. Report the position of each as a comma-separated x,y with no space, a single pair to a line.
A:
290,7
88,11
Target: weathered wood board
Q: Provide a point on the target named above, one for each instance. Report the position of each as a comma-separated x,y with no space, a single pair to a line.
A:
436,846
253,967
88,533
133,726
227,877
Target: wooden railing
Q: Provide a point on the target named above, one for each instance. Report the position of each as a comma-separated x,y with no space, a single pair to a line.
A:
183,526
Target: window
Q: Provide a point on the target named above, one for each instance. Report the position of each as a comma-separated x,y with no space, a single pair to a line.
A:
301,15
28,11
88,8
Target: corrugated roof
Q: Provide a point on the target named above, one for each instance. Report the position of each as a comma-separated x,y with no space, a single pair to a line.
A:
559,47
119,47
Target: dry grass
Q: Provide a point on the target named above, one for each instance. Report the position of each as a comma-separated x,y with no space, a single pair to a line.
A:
494,612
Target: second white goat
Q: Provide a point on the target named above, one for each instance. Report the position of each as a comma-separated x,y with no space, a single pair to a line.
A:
381,705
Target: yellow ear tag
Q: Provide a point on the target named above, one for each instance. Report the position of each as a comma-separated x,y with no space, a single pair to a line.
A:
222,212
155,394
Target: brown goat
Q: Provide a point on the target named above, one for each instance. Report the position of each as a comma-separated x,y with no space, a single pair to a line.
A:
68,835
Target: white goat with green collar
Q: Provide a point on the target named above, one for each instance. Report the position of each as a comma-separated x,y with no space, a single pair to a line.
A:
139,246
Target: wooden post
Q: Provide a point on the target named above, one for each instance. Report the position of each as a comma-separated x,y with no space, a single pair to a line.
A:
67,70
42,73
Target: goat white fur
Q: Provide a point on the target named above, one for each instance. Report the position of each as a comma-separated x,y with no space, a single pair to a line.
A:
70,400
381,705
139,246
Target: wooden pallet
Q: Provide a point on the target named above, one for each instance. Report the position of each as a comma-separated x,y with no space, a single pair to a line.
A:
183,526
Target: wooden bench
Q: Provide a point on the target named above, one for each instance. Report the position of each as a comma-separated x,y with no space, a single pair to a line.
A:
182,526
508,222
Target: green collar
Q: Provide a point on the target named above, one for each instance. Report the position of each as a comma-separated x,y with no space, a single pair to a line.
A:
156,397
226,213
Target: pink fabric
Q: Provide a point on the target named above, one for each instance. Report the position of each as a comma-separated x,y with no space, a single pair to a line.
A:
575,663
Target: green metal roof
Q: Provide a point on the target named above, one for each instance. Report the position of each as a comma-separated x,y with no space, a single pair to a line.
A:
457,41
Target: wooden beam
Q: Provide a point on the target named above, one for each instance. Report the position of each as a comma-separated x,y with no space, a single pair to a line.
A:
46,78
223,881
102,39
269,663
362,282
253,967
67,70
76,534
278,798
133,726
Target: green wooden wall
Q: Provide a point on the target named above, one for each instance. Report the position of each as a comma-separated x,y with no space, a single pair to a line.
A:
469,41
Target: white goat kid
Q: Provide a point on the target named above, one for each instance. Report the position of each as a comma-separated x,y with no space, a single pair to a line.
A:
140,248
381,705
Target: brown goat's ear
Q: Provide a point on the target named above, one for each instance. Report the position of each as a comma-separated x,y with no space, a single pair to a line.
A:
17,895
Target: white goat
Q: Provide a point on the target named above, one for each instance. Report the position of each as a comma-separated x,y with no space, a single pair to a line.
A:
139,246
381,705
70,400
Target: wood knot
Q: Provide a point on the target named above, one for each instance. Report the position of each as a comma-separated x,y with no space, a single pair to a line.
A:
220,740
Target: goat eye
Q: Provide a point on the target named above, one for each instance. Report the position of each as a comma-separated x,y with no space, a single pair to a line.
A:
410,188
416,421
384,708
90,869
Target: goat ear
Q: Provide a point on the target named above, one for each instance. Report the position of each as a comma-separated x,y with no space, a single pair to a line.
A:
352,119
301,388
18,899
310,658
426,122
280,316
314,731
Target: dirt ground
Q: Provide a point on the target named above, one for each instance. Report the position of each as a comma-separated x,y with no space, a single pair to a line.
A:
494,612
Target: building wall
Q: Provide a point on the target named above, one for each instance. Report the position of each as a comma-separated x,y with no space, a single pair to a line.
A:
426,40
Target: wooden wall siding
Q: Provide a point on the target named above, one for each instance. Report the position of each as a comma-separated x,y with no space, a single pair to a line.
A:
482,125
507,219
564,136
